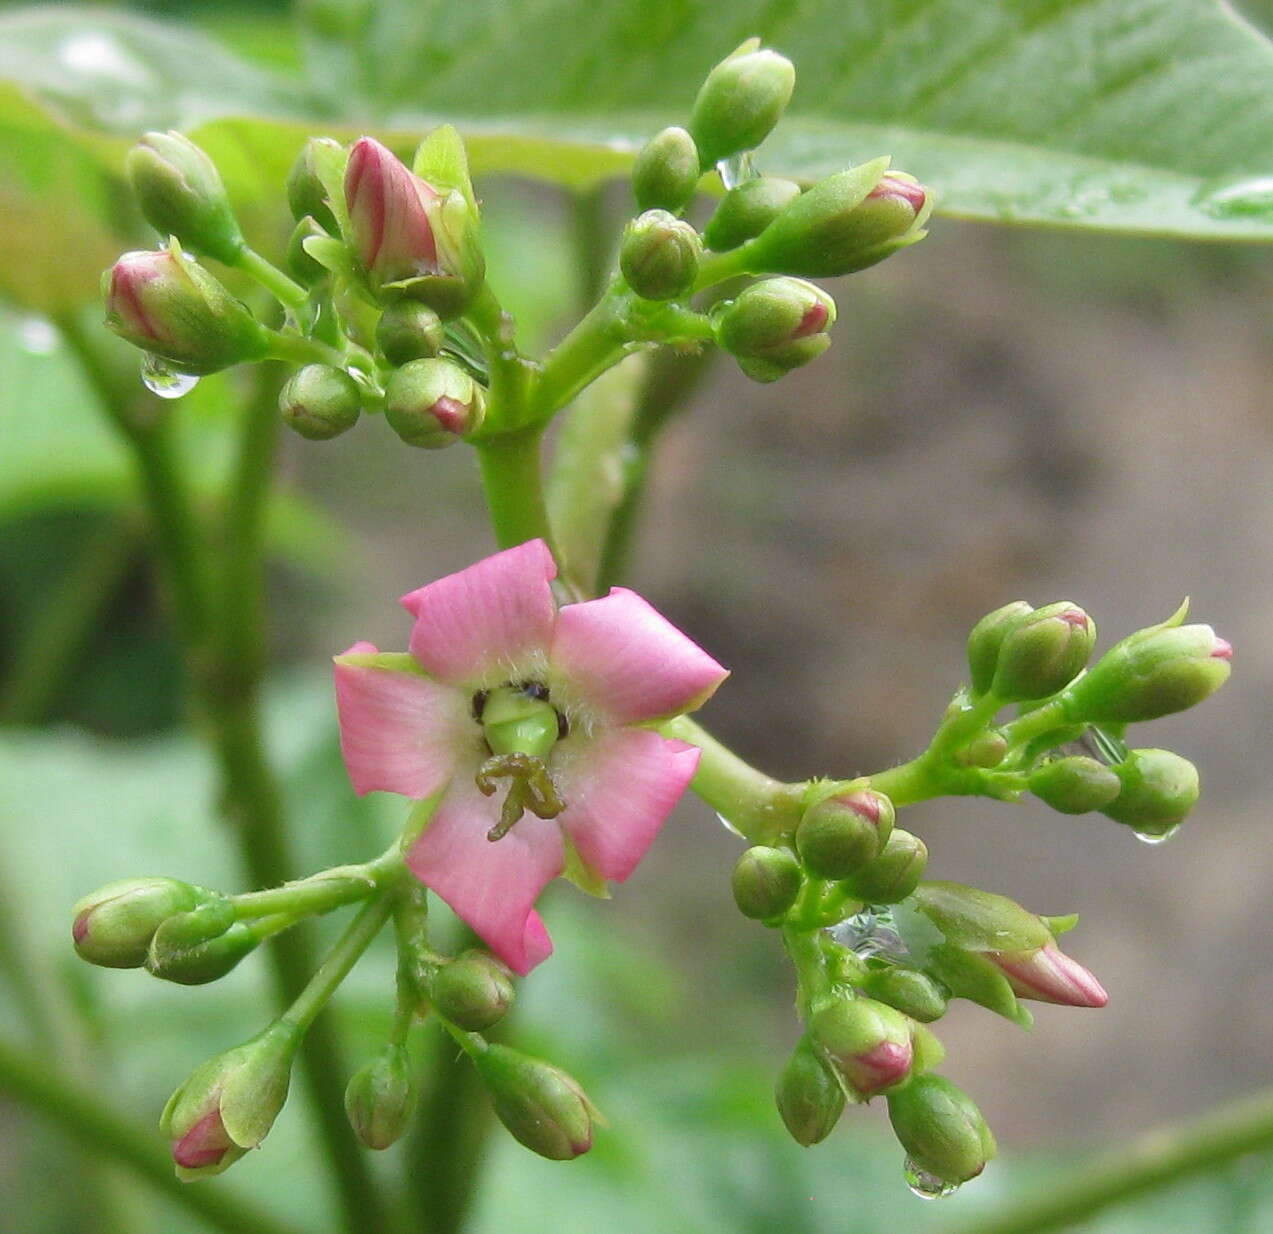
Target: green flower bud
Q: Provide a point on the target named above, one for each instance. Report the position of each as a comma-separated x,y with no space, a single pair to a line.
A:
209,919
986,749
306,194
980,920
517,720
766,882
409,330
914,993
181,194
114,925
1043,652
1154,672
473,991
740,102
868,1044
1074,785
171,306
540,1105
380,1098
205,961
771,314
941,1129
320,402
1157,790
433,403
659,255
744,212
987,637
229,1103
844,223
666,171
809,1096
894,874
300,263
842,833
777,363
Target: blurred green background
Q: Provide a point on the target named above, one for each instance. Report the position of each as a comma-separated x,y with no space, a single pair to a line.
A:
1004,413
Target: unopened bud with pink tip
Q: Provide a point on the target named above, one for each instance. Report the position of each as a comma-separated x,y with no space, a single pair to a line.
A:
1043,652
775,326
868,1044
114,925
541,1106
844,831
1047,975
433,403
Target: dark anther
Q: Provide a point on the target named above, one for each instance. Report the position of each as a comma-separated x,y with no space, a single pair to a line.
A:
563,727
534,689
479,704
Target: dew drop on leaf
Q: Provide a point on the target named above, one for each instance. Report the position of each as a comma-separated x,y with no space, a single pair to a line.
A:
1251,198
159,377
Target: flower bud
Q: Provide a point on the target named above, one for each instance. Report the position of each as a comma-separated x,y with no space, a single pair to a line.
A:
474,991
771,314
809,1096
202,962
1048,975
320,402
1043,652
744,212
777,363
842,833
740,102
413,240
433,403
1154,672
306,193
169,305
979,920
229,1103
659,255
300,263
868,1044
941,1129
666,171
409,330
913,993
987,637
380,1098
540,1105
181,194
894,874
987,749
1157,790
114,925
766,882
1074,785
844,223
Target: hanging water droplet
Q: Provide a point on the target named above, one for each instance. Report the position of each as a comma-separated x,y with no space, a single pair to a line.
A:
1243,199
1156,837
38,335
871,932
925,1185
736,169
159,377
724,822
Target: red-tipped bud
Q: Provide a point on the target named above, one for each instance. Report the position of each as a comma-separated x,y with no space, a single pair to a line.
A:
843,832
1043,652
433,403
771,314
1048,975
868,1043
113,926
541,1106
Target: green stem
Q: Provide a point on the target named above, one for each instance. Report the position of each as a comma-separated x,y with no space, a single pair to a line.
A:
510,372
1034,724
762,809
282,288
322,892
342,957
597,343
1156,1160
722,266
513,486
298,349
48,652
79,1114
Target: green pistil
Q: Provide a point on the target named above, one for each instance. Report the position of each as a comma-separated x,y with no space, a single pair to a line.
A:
531,788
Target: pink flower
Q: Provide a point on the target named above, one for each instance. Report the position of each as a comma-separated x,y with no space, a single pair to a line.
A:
1048,975
595,785
389,212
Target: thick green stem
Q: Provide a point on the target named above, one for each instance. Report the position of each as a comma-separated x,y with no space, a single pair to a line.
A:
510,372
597,343
322,892
101,1131
514,488
286,292
298,349
761,809
1156,1160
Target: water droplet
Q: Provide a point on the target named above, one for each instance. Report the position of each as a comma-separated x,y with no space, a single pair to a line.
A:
724,822
871,933
159,377
736,169
1156,837
1243,199
38,335
925,1185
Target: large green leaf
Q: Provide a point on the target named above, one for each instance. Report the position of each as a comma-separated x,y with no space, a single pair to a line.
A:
1141,115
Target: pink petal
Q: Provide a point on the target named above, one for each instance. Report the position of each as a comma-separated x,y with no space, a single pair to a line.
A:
491,885
618,788
399,731
204,1144
629,663
1049,976
477,624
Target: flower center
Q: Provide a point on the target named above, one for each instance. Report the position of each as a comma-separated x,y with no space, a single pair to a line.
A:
521,727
